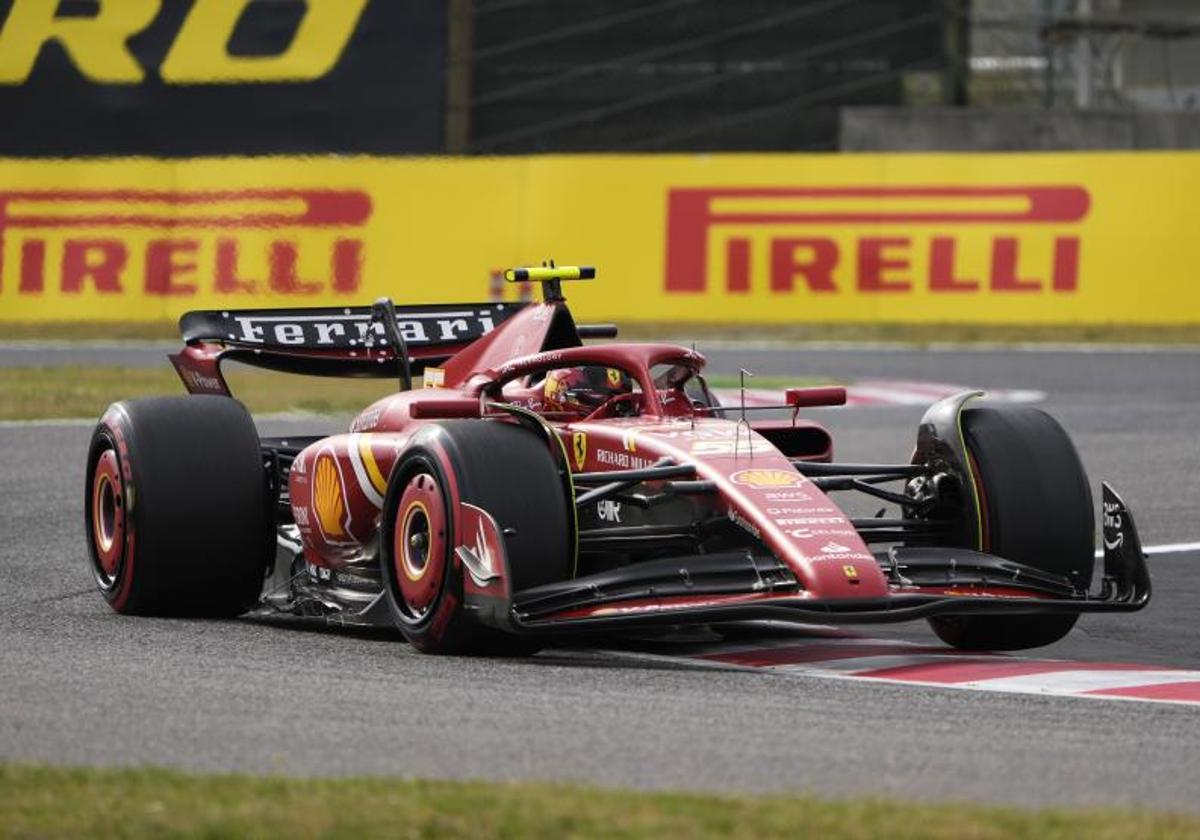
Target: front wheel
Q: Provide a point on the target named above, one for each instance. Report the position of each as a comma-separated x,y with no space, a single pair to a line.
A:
501,468
1035,509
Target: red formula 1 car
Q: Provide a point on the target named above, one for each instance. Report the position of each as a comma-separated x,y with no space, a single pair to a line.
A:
538,486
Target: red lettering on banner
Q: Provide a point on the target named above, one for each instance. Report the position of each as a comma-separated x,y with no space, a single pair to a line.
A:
33,266
737,258
817,271
282,278
941,268
884,262
1004,268
1066,264
873,262
165,260
347,265
100,260
226,280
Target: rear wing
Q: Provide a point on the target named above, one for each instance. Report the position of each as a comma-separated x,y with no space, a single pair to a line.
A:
327,341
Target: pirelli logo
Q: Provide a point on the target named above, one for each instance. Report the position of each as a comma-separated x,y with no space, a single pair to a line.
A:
951,240
179,243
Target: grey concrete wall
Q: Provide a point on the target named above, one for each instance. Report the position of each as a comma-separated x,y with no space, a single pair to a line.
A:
1013,129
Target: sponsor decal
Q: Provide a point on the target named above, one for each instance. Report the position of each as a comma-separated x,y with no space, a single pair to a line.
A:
180,243
788,229
536,360
810,533
717,447
433,378
200,382
686,429
850,572
1112,526
814,520
614,377
784,511
579,448
621,459
368,420
351,327
362,582
836,551
787,496
629,440
609,511
329,498
767,478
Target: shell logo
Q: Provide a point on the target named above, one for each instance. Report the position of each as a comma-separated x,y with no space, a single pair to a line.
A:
329,501
763,479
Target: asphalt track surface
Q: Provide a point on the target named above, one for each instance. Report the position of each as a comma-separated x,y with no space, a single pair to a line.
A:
81,685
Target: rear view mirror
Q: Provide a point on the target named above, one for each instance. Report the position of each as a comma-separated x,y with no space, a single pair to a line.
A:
813,397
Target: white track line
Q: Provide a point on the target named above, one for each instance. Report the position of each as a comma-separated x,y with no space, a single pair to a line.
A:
1165,548
54,422
48,423
1081,680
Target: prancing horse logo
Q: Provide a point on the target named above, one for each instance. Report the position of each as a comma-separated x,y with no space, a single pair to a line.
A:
579,447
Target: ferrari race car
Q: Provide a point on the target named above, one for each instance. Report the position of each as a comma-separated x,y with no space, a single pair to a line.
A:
538,486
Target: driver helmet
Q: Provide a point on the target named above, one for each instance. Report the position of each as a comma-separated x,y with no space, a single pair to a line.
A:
583,389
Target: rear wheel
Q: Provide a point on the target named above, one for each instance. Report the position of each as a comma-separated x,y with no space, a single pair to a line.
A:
176,507
1036,509
499,467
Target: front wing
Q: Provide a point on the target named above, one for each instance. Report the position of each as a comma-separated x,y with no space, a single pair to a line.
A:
735,586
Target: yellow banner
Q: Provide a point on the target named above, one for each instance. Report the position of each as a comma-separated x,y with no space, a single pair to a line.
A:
1002,238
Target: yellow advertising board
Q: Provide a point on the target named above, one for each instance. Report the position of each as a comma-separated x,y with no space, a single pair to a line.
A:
970,238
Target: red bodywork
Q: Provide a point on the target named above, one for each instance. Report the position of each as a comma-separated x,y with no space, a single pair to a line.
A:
338,485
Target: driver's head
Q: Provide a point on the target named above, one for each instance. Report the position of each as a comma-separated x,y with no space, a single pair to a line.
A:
582,389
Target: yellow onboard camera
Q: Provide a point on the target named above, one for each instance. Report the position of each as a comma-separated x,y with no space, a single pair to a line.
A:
550,276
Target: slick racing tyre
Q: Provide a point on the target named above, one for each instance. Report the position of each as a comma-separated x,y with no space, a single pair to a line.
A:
1036,509
500,467
176,506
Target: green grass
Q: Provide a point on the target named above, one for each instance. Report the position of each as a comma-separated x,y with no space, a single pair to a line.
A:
771,383
687,332
28,393
52,802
